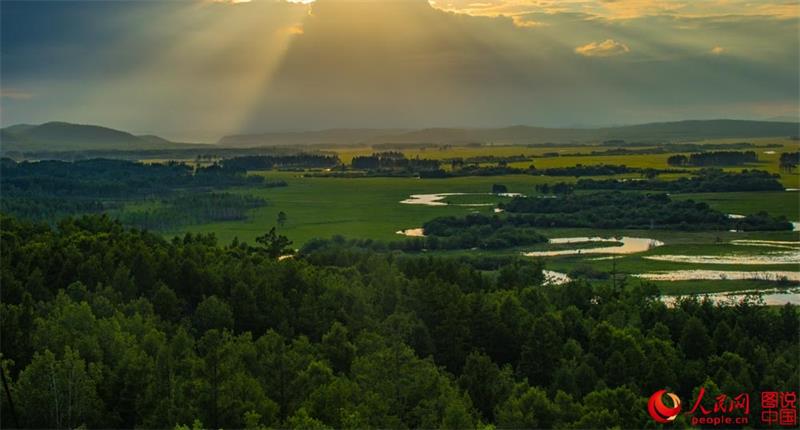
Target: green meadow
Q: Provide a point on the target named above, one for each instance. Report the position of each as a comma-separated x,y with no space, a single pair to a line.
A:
371,208
366,208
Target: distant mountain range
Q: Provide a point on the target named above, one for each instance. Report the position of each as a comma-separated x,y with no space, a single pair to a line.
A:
62,136
681,130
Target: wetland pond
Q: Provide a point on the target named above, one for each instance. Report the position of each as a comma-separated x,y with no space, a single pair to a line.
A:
437,199
629,245
774,297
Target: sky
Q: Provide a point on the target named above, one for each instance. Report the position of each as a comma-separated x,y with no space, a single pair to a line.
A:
195,70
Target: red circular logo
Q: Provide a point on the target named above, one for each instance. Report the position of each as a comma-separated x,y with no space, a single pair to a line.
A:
660,412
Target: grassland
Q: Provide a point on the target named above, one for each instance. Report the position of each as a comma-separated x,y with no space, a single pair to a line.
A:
768,156
358,208
370,208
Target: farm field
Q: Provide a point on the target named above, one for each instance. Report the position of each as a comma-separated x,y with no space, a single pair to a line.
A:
768,156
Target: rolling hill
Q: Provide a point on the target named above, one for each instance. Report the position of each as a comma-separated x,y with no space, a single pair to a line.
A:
666,131
63,136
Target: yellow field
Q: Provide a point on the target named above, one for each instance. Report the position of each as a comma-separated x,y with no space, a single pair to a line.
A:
768,156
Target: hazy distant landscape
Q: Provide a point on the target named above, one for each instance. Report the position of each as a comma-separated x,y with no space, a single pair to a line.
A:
62,136
410,214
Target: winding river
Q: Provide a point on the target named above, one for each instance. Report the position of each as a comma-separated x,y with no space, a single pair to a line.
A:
630,245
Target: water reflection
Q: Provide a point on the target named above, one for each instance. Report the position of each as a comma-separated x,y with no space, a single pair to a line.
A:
436,199
412,232
630,245
555,278
768,297
721,275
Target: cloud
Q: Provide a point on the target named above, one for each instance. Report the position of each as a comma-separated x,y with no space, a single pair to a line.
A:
607,48
625,9
523,22
717,50
381,63
15,94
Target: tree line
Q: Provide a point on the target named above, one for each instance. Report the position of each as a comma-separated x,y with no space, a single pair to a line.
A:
577,171
50,190
104,326
621,210
789,161
393,160
714,158
269,162
103,178
191,209
705,181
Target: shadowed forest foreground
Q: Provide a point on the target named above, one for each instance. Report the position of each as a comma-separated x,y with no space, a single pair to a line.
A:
108,327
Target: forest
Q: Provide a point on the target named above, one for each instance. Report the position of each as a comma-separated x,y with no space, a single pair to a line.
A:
104,326
104,178
50,190
459,170
393,160
189,209
470,235
704,181
495,159
268,162
616,209
789,161
714,158
641,148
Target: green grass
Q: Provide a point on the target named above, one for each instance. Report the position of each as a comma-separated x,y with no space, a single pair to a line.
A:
370,208
367,208
356,208
473,199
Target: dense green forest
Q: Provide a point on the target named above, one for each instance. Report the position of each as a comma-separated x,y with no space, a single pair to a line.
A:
714,158
104,326
267,162
620,147
192,209
50,190
441,236
614,209
576,171
392,160
496,159
705,181
103,178
789,161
